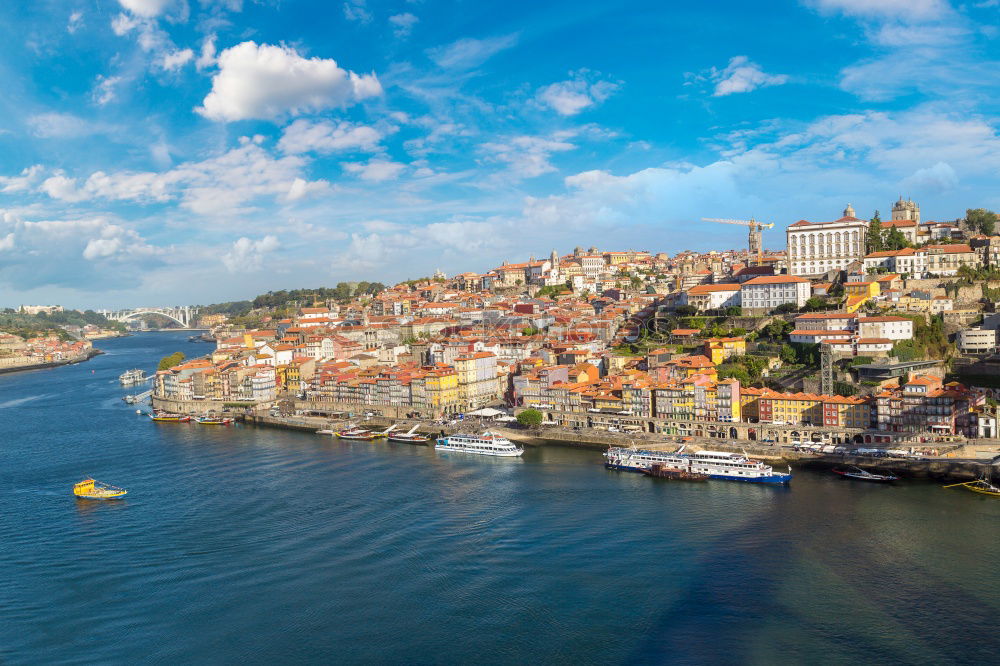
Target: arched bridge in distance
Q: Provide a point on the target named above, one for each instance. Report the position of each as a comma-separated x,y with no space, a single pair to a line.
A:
182,314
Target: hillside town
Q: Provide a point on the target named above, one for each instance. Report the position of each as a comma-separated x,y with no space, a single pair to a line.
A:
857,331
17,353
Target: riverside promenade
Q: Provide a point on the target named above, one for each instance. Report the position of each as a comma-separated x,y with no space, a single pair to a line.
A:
960,462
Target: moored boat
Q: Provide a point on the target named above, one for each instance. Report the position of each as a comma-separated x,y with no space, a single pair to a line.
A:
981,486
411,436
716,464
486,444
357,434
661,471
167,417
132,377
95,490
214,420
864,475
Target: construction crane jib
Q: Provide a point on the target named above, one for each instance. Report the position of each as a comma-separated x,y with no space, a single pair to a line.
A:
755,229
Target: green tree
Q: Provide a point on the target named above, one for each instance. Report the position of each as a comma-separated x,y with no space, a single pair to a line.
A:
874,242
687,310
788,354
982,220
530,418
845,389
170,361
733,311
785,308
777,329
813,304
895,240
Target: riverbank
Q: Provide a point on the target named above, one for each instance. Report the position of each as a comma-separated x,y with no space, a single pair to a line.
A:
959,465
53,364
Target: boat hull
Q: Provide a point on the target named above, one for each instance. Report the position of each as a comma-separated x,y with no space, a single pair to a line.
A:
475,452
774,479
415,440
101,497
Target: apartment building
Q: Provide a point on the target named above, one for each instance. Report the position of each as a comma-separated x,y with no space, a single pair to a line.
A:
766,293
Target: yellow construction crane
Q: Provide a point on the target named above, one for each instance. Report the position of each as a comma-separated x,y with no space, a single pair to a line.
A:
756,244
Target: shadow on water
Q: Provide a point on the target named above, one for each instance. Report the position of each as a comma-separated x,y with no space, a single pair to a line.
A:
858,608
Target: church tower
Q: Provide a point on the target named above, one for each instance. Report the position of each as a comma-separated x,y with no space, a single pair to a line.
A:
906,210
849,211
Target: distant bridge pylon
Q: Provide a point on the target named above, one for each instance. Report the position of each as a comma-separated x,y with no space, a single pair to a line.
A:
183,315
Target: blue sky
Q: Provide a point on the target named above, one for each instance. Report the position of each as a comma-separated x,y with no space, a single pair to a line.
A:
192,151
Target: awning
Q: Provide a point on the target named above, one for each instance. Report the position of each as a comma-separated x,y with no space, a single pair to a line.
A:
487,412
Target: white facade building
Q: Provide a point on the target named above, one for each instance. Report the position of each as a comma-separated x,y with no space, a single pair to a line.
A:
977,341
813,248
893,328
767,293
712,296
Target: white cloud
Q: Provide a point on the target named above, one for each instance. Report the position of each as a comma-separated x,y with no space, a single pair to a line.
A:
388,243
381,226
356,10
27,179
104,89
176,59
906,10
219,186
468,53
207,56
526,156
741,75
145,8
808,173
268,81
938,178
77,253
403,24
301,188
75,22
327,136
248,255
569,98
375,170
61,187
61,126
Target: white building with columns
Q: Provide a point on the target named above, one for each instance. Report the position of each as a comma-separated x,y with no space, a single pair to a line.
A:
817,247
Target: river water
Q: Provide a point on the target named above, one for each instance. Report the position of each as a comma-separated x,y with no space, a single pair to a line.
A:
247,545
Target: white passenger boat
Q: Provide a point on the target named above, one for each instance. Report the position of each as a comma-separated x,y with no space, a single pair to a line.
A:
132,377
716,464
486,444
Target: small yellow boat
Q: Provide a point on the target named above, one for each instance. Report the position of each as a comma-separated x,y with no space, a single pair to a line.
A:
90,489
981,486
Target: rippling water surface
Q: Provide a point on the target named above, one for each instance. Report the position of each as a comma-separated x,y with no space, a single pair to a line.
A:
245,545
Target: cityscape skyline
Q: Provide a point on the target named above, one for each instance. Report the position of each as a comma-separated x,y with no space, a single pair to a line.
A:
153,145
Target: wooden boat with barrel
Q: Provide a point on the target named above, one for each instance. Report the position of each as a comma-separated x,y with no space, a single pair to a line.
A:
95,490
864,475
357,434
411,436
214,420
661,471
167,417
